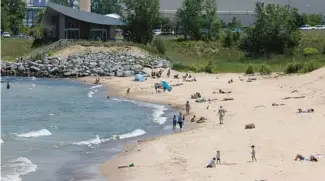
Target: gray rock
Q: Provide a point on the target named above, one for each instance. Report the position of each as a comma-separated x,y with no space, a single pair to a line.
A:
53,70
33,68
13,66
119,73
21,67
128,73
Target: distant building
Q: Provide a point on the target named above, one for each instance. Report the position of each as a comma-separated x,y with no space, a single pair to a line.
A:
32,9
63,22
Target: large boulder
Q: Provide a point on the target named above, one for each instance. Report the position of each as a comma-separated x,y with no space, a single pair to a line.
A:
128,73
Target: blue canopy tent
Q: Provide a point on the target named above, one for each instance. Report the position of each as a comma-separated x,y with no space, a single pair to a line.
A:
140,78
166,86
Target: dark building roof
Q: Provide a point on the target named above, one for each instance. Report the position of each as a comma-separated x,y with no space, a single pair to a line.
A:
304,6
85,16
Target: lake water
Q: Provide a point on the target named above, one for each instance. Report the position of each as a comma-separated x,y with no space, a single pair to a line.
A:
57,130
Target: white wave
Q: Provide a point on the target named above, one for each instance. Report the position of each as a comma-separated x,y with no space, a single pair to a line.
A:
33,78
134,133
17,168
34,85
90,142
90,93
123,100
1,141
51,114
95,87
168,127
38,133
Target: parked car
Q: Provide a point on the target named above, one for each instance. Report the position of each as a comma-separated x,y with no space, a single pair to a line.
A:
6,35
306,27
157,31
319,27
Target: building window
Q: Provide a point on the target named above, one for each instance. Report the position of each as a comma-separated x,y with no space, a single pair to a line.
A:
71,23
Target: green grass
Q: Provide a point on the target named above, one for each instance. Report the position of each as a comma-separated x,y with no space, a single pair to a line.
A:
195,55
11,49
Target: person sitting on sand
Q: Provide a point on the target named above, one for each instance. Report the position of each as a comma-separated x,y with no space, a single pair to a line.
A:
218,157
221,113
168,73
312,158
180,121
212,163
187,107
306,111
253,154
299,157
174,123
193,119
128,91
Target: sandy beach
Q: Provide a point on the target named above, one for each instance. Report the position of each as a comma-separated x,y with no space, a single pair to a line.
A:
280,134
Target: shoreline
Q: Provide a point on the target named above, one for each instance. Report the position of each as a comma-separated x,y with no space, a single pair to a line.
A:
277,138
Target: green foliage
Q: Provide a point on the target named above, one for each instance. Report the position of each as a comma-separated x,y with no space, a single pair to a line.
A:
249,70
182,67
190,18
312,19
158,43
210,20
324,49
228,39
294,67
310,66
234,23
106,7
12,15
265,70
208,68
236,36
310,51
275,31
141,17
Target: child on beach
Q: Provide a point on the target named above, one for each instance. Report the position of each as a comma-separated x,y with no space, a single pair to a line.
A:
174,123
253,154
180,120
187,107
218,157
212,163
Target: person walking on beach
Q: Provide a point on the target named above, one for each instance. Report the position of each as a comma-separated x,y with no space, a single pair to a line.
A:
8,85
253,154
174,123
221,113
180,121
187,107
218,157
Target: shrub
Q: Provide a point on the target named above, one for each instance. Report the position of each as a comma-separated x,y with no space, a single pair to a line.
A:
228,39
265,70
182,67
249,70
293,68
236,36
324,49
209,68
310,51
159,44
310,66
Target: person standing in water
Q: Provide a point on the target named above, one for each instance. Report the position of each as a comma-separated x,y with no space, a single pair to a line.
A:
174,123
253,154
187,107
8,85
221,113
180,121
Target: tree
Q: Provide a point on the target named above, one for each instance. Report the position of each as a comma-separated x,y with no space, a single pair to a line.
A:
210,19
312,19
68,3
12,14
106,7
190,18
141,17
38,29
274,31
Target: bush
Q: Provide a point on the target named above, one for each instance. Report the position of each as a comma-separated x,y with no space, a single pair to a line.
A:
310,51
324,49
209,68
310,66
293,68
228,39
182,67
249,70
159,44
265,70
236,36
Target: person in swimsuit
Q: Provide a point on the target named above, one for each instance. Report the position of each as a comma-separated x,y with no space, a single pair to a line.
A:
180,120
253,154
218,157
187,107
221,113
299,157
174,123
8,85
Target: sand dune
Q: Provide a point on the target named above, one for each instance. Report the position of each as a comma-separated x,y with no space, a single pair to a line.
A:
279,135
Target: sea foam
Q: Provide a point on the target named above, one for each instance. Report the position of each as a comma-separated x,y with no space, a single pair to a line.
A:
95,87
17,168
90,142
37,133
134,133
